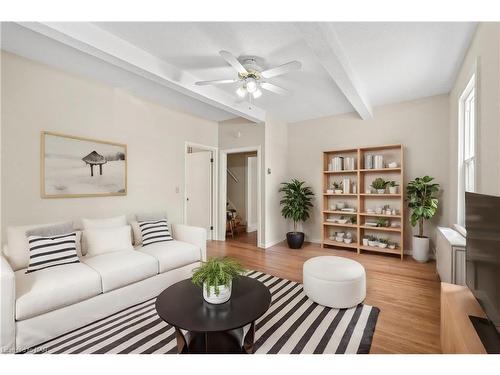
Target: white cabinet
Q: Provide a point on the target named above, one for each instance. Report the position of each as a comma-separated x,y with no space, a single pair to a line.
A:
450,256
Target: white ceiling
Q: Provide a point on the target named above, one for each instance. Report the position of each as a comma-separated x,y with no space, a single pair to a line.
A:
392,62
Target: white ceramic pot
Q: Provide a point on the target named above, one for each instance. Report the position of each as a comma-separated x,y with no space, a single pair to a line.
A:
382,245
211,297
380,191
338,191
393,189
347,240
373,243
420,249
365,241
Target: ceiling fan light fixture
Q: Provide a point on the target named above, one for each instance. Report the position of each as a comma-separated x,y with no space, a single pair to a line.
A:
241,92
251,85
257,93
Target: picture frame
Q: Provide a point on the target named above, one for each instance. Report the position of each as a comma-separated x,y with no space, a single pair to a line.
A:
78,167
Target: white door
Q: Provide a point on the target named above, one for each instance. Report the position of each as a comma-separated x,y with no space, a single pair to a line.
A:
251,194
199,190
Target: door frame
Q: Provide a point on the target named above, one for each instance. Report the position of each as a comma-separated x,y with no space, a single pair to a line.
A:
213,234
223,191
248,200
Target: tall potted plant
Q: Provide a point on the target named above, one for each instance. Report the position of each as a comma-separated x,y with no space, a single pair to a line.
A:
296,203
422,200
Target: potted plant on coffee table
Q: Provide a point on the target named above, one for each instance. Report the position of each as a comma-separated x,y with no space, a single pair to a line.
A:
215,276
422,200
296,204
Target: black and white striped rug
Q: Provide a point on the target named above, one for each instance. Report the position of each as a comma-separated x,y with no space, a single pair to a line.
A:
292,325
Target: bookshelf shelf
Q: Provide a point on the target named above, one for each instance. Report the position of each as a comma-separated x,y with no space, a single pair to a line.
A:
361,178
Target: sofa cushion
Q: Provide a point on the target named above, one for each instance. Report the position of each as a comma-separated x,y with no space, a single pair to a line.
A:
52,288
172,254
151,216
121,268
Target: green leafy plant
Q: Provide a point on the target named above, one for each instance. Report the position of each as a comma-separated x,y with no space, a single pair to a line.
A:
392,183
422,200
216,272
383,240
381,222
336,185
379,183
372,238
353,220
296,202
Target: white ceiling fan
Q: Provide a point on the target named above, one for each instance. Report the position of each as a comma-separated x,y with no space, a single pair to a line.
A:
251,77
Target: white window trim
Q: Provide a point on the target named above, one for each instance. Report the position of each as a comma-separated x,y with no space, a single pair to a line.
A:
461,135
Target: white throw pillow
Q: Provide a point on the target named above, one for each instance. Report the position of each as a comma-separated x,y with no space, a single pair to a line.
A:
106,240
112,222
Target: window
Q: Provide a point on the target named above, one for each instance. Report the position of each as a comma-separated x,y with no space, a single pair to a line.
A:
466,146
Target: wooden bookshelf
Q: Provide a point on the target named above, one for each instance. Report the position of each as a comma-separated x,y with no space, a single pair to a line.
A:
361,178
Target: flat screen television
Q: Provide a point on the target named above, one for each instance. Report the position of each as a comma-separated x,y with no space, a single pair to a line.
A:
482,222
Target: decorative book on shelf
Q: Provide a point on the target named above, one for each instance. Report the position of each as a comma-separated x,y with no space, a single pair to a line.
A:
363,205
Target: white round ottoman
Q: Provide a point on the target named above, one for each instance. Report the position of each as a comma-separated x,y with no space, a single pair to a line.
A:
334,281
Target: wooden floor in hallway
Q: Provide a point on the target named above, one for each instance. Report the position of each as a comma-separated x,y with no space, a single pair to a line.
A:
244,238
407,292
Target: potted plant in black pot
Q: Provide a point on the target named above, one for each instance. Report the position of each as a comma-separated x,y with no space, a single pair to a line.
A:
296,204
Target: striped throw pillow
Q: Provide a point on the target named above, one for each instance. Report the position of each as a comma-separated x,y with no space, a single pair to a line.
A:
54,251
153,231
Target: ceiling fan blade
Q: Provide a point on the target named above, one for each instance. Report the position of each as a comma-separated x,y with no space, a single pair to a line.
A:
233,61
273,88
282,69
216,82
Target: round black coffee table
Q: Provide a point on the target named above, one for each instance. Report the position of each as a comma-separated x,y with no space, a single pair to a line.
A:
214,328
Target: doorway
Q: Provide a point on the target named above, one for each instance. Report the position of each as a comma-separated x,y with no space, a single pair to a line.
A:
240,196
200,188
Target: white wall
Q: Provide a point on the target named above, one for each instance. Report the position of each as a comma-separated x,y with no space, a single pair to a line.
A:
485,50
276,159
36,97
421,126
239,132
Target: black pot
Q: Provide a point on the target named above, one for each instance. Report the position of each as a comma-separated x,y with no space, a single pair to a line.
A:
295,240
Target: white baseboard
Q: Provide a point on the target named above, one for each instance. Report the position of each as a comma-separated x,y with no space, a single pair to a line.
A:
268,244
252,227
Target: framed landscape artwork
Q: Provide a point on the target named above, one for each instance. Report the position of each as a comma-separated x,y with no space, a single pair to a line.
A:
74,167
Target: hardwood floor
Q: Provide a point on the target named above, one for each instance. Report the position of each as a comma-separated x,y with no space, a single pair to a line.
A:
407,292
244,237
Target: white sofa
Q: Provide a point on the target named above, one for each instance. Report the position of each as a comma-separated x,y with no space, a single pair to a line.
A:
42,305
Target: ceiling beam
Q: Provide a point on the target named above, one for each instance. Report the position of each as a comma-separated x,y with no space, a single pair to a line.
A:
103,45
323,41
